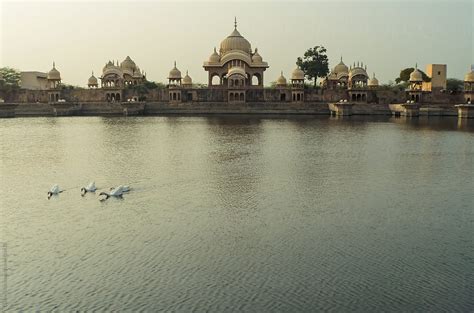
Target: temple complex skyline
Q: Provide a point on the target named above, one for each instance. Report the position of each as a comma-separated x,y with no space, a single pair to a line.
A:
380,35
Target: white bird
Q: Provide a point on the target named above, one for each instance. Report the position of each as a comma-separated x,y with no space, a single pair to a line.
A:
125,188
54,191
116,192
89,188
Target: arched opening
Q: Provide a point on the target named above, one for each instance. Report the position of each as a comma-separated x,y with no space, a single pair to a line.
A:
353,97
112,97
242,97
363,97
417,98
282,97
57,97
413,97
231,96
255,80
215,80
174,95
236,82
294,97
298,97
468,100
358,97
108,97
117,97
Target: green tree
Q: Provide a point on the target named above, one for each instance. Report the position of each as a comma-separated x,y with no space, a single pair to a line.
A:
454,85
405,75
11,77
314,63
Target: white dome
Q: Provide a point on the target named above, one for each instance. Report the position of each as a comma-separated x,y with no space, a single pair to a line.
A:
92,80
416,76
54,74
128,64
236,70
214,58
469,78
235,41
297,74
373,82
281,81
341,68
187,79
257,58
174,73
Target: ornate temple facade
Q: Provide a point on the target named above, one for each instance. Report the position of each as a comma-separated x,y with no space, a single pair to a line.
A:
235,74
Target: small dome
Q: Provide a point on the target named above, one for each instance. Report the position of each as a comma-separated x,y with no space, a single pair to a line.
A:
214,58
341,68
281,81
373,82
469,78
236,70
92,80
297,74
54,73
174,73
235,41
416,76
128,64
187,79
257,58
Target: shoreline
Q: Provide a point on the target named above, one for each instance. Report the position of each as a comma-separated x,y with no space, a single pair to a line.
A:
11,110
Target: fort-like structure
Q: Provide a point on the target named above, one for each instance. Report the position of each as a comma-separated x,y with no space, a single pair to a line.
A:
236,85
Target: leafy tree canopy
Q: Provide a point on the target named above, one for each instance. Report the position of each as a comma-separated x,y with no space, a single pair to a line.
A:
405,75
314,63
10,76
454,85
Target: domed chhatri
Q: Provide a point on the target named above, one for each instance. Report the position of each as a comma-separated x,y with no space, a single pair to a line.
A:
373,82
174,73
92,82
340,68
297,74
54,74
416,75
187,81
281,81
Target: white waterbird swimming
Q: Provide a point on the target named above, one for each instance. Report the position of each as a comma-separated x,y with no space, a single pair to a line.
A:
89,188
54,191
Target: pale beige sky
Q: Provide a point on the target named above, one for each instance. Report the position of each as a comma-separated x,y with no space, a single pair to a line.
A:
386,35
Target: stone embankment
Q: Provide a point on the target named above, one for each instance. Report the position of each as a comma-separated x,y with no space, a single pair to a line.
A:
196,108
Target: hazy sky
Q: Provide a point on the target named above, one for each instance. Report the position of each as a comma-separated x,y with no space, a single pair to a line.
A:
386,35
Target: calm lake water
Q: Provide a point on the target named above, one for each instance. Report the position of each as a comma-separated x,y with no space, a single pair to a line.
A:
239,213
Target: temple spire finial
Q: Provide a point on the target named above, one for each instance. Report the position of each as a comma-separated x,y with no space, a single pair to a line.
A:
54,64
235,22
174,63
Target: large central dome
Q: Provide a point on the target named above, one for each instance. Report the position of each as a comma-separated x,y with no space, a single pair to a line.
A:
235,41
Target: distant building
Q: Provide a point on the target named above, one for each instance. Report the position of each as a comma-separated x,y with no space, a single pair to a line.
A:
34,80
